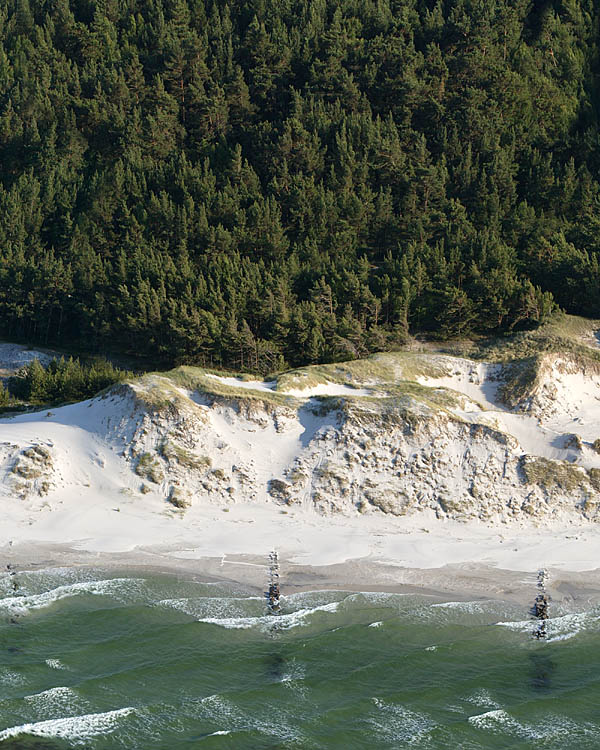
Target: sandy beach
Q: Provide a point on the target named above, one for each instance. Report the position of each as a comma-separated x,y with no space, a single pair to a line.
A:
451,559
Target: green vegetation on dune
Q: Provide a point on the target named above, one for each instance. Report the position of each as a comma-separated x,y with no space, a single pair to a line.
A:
376,371
180,455
547,473
264,185
197,378
62,380
392,377
561,333
148,467
381,380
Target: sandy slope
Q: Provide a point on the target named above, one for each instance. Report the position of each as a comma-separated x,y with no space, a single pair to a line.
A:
566,403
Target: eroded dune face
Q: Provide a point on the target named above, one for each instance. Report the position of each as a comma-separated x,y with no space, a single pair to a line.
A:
395,434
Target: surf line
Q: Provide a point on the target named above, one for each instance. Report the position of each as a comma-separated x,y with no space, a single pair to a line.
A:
273,593
539,610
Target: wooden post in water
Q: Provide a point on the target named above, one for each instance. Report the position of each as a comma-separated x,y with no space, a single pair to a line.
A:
540,605
273,593
14,585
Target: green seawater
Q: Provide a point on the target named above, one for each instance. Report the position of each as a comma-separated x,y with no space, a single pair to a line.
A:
101,661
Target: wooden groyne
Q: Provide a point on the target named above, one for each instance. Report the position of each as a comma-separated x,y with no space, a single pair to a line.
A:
540,606
273,593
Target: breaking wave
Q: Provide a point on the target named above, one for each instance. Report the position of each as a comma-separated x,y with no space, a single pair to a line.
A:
58,699
120,589
560,628
394,722
76,729
551,728
269,622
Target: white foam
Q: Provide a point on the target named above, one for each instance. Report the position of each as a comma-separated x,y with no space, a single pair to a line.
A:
55,664
112,587
293,679
558,628
308,599
496,721
221,710
397,723
9,677
201,606
295,672
55,692
57,699
463,606
61,574
484,699
270,622
551,727
76,729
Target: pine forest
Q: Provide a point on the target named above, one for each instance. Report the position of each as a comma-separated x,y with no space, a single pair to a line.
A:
273,183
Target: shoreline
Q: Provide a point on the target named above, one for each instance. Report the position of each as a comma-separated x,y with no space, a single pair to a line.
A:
571,590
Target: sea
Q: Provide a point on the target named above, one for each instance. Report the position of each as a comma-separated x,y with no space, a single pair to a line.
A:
98,659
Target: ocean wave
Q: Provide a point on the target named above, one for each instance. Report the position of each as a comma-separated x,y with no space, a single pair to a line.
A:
295,672
151,589
268,623
250,608
10,677
416,607
482,698
120,589
63,574
230,588
293,679
213,606
249,612
222,711
310,599
560,628
39,580
58,699
497,721
552,727
55,664
468,606
76,729
397,723
55,692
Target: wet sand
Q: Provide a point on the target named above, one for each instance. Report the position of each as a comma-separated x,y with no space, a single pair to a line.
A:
573,590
